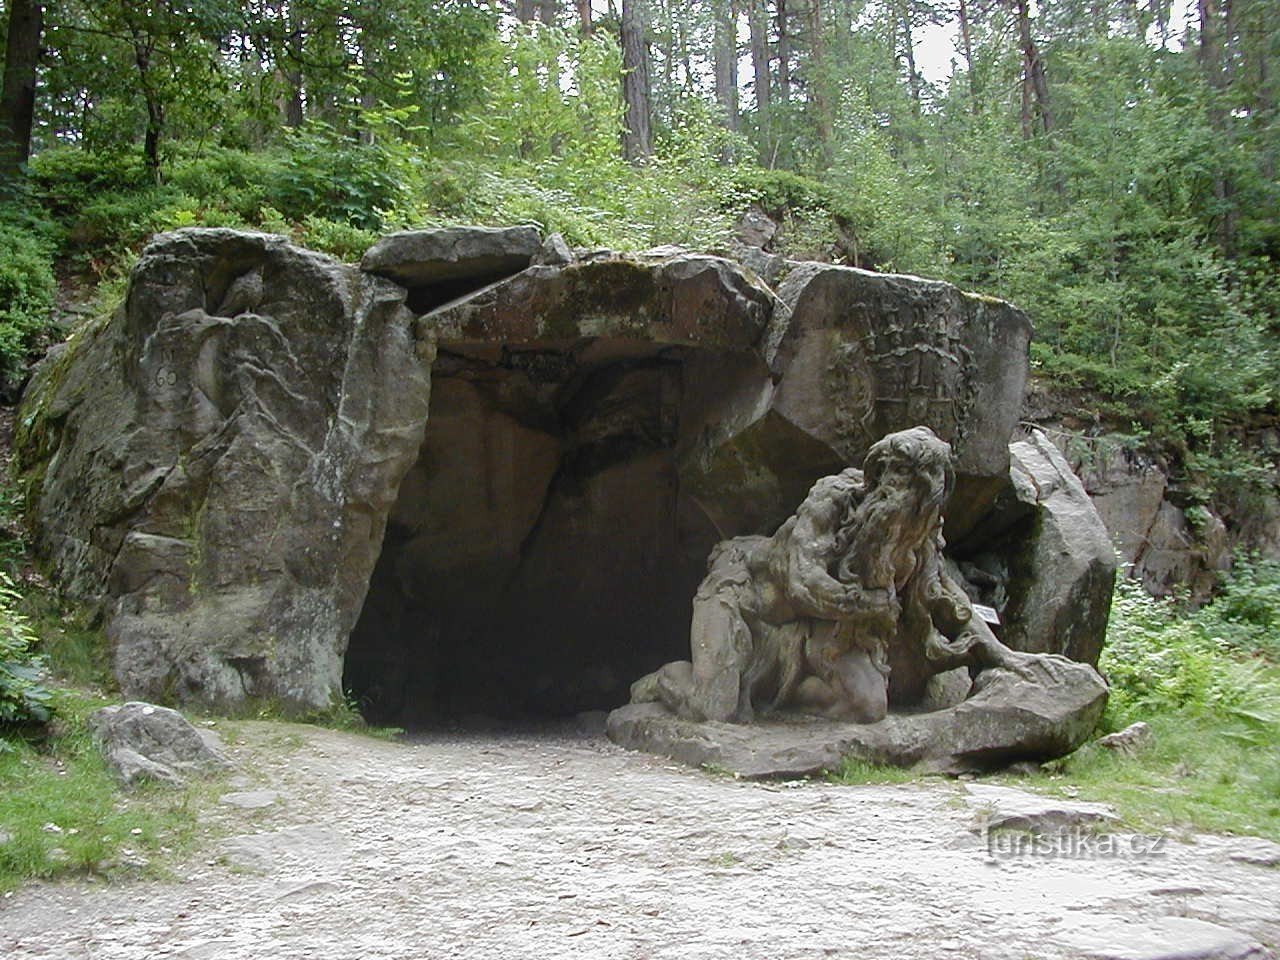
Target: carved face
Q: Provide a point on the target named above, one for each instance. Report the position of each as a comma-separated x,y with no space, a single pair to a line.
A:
913,460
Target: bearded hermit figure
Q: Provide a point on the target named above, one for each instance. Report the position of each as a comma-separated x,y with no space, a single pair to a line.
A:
843,611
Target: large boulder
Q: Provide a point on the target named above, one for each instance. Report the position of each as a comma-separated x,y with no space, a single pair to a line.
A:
142,741
866,354
214,463
214,466
1063,565
438,265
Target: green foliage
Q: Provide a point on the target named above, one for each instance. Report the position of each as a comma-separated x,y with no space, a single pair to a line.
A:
1195,774
854,772
1246,615
65,178
1160,661
334,177
27,291
24,699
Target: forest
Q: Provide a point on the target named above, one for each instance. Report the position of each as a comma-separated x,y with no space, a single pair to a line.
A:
1107,165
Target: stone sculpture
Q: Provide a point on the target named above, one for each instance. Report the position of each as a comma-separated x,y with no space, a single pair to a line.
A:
846,606
844,612
844,609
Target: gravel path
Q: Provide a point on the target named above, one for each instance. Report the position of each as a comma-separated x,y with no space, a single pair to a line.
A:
566,846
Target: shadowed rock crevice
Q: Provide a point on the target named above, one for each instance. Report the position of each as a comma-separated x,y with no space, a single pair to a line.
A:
543,547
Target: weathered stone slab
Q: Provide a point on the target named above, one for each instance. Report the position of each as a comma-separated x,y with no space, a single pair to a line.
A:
1063,572
666,297
416,258
1165,938
1046,713
1005,808
215,462
866,354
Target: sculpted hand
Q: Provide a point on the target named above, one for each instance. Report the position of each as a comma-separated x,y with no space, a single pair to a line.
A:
880,608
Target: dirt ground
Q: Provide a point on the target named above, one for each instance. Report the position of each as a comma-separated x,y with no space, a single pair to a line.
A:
562,845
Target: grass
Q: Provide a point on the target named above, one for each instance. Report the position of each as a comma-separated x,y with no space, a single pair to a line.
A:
854,772
63,814
1199,773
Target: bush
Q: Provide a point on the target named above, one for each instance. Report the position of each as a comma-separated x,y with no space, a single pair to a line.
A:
231,180
67,178
1159,661
23,698
1247,614
27,290
334,177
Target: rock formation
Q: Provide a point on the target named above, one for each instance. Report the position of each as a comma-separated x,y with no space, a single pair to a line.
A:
481,472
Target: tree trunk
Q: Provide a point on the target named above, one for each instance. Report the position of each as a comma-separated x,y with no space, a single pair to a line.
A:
909,54
1213,62
1035,81
784,53
584,16
966,48
525,10
142,51
818,88
726,62
758,22
18,93
549,11
637,137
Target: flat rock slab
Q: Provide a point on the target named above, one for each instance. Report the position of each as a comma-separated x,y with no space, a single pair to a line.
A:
267,852
419,257
1046,710
250,799
1166,938
1004,808
1261,853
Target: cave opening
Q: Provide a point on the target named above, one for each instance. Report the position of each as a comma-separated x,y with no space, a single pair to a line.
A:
545,547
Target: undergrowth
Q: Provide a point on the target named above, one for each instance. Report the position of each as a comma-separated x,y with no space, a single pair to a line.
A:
1208,685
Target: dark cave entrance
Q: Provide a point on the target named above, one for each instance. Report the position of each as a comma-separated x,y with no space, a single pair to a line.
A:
544,549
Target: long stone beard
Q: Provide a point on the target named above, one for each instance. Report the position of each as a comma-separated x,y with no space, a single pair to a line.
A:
887,524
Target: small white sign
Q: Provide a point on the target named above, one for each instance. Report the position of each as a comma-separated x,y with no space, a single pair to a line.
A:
988,614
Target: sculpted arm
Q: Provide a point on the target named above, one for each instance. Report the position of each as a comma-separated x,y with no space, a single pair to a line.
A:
970,640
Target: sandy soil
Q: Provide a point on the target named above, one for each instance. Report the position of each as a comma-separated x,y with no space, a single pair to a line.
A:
562,845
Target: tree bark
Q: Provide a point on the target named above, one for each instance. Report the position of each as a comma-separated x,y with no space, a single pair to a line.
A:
1034,79
909,54
784,53
758,23
726,61
966,48
1213,63
294,112
18,93
549,11
637,137
143,48
818,87
584,16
